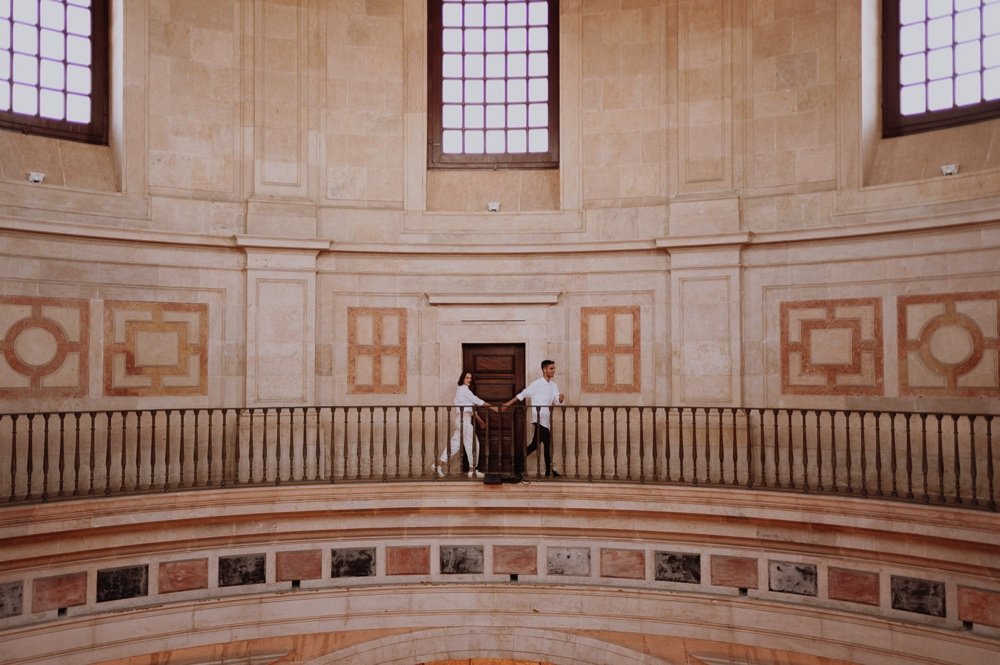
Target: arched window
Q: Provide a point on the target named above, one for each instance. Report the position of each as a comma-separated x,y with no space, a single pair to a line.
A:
54,68
493,83
940,63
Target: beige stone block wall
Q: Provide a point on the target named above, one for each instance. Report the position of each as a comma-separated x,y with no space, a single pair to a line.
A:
708,44
622,91
362,58
936,288
791,76
516,191
530,299
65,164
194,71
109,323
323,103
744,127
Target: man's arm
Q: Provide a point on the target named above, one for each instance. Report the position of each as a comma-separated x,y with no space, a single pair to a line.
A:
516,398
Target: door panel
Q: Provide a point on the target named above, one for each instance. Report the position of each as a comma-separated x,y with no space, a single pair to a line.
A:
497,375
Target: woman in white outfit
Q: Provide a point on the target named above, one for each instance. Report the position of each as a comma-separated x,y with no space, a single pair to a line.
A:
462,428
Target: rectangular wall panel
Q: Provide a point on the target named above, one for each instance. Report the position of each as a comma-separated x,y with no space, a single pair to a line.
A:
704,81
279,357
281,99
704,349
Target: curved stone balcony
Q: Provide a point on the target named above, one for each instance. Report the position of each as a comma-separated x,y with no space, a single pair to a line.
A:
676,535
555,571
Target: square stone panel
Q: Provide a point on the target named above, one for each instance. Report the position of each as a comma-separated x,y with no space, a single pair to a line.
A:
568,560
408,560
242,570
353,562
11,599
461,559
44,347
515,559
917,595
854,586
49,593
949,344
734,571
183,575
307,565
376,350
155,348
122,583
610,349
791,577
979,606
678,567
623,564
832,347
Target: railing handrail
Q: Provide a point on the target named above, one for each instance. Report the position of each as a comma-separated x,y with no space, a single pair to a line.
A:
915,456
854,410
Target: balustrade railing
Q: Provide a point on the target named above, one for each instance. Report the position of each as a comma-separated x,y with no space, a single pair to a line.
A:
932,458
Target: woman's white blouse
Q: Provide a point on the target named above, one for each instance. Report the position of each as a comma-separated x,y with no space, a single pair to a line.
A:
465,398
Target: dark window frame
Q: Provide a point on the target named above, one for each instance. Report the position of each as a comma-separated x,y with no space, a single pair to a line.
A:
439,160
893,122
96,131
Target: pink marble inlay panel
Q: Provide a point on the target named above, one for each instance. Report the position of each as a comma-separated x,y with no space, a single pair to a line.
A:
855,586
734,571
376,350
515,559
408,560
610,359
298,565
155,348
949,344
623,564
43,347
50,593
832,347
183,575
979,606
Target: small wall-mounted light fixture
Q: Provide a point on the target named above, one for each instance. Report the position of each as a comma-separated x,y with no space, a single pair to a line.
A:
493,206
949,169
35,176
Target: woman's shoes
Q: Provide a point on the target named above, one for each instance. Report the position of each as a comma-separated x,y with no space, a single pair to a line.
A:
439,470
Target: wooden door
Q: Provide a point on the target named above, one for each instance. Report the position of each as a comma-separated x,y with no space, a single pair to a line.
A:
497,375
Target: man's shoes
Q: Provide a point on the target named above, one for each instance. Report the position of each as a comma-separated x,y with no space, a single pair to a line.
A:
436,468
476,474
553,474
517,479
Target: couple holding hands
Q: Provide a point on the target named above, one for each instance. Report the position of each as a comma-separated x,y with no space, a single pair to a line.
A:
543,393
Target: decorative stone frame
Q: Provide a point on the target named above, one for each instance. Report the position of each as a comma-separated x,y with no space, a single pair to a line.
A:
615,351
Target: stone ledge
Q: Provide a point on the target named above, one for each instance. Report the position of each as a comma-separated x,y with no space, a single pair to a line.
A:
817,552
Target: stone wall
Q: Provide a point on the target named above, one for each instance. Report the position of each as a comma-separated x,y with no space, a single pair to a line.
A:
722,186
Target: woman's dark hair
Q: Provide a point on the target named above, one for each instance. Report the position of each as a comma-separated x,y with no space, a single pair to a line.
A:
461,378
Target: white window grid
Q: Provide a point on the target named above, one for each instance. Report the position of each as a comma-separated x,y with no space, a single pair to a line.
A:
949,54
495,69
46,66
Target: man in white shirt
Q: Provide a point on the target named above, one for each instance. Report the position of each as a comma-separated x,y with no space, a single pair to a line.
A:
543,393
